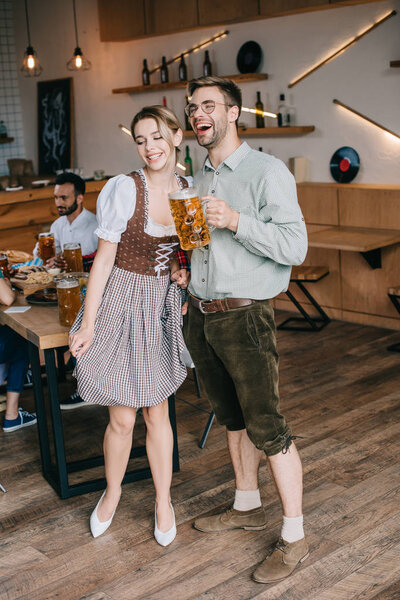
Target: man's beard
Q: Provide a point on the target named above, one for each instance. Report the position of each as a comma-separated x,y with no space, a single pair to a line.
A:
219,134
70,209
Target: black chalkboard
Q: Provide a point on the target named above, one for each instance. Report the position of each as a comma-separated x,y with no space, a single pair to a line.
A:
55,125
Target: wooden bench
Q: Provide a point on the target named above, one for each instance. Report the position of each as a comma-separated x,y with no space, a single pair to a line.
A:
394,295
300,276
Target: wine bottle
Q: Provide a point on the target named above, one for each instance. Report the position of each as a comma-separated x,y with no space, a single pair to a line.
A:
164,101
282,112
188,162
164,71
187,123
260,124
182,74
207,66
145,73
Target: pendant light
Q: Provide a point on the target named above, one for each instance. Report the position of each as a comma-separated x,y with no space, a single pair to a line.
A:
78,62
30,65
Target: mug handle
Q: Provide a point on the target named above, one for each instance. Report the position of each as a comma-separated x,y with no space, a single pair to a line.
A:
210,227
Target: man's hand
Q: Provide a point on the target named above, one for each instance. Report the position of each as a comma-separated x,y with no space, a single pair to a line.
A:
181,276
220,215
184,308
57,262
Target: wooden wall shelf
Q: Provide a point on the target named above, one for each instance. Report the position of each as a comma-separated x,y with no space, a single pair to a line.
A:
267,131
395,63
6,140
172,85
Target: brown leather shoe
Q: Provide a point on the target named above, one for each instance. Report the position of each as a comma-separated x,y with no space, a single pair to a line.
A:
251,520
282,561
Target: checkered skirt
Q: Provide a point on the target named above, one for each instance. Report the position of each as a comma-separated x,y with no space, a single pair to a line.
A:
135,357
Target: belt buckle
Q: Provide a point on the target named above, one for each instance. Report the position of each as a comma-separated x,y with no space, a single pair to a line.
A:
201,309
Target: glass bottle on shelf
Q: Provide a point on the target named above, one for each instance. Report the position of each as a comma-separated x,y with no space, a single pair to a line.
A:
164,101
164,71
260,123
207,66
3,130
188,162
283,113
187,122
182,73
145,73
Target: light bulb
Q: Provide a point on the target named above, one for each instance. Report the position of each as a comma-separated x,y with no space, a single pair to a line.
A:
31,62
78,61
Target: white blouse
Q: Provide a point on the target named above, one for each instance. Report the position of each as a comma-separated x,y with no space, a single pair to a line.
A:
115,206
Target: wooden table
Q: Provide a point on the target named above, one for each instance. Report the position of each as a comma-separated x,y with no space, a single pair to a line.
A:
368,242
41,327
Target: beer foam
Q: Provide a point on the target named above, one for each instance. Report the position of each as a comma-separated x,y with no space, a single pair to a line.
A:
69,282
72,246
183,194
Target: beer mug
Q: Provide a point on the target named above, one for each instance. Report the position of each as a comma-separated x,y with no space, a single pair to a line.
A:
190,221
73,257
47,247
4,266
69,299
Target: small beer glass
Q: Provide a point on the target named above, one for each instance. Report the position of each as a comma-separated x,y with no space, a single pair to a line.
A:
73,257
47,247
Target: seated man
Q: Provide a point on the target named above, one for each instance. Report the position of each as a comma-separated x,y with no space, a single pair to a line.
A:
75,224
14,352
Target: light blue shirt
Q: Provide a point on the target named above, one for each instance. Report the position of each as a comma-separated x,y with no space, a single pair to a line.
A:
255,262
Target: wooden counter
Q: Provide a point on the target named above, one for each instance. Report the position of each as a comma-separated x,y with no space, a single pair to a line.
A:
25,213
353,291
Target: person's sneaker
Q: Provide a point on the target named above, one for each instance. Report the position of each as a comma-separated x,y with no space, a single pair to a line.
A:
73,401
282,561
251,520
24,419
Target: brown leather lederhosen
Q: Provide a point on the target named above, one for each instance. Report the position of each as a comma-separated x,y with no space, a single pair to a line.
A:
137,250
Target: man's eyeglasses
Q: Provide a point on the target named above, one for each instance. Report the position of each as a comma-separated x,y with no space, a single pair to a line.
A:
208,106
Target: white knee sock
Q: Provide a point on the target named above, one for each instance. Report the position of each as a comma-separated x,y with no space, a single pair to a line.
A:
292,529
247,499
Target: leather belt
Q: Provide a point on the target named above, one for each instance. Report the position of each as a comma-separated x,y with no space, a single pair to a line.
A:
207,307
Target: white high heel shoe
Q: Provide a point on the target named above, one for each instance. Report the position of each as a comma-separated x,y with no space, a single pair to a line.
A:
98,527
164,538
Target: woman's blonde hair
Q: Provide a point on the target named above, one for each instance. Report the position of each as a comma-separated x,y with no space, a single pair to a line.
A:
167,122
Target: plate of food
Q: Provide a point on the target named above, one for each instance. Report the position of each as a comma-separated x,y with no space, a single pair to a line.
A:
47,297
15,257
31,278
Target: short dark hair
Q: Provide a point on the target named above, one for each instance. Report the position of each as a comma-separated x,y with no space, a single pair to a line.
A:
231,92
77,182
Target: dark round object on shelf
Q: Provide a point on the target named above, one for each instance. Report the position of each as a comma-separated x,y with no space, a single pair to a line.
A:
344,164
249,57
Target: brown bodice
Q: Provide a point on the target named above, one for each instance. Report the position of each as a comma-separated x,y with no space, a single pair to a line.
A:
138,251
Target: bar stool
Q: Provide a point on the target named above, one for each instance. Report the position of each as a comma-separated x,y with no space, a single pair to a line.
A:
394,295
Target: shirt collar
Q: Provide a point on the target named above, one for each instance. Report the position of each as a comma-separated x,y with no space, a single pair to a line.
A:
232,161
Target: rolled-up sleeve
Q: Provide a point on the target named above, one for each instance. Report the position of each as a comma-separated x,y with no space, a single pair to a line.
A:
279,231
115,206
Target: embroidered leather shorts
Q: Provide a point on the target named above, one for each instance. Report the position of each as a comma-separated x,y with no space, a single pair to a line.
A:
236,359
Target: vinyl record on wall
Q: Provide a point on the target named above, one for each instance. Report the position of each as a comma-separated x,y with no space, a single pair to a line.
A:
344,164
249,57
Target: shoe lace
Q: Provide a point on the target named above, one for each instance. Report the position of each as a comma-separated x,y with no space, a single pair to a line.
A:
24,413
281,545
74,396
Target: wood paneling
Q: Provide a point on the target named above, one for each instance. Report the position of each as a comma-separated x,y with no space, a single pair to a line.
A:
272,7
378,208
173,15
319,205
121,20
220,11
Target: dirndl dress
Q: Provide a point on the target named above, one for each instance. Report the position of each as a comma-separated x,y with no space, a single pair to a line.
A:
135,356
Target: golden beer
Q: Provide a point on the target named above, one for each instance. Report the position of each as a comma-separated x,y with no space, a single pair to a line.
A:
73,257
190,221
47,247
69,300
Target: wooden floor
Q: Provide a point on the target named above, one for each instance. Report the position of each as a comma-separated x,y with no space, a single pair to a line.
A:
340,390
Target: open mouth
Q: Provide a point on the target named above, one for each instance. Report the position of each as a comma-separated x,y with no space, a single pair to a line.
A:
203,127
153,157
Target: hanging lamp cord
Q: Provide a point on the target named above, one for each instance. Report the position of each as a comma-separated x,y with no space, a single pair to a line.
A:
27,22
76,28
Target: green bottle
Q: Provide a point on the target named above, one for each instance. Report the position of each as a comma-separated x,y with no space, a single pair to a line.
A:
188,162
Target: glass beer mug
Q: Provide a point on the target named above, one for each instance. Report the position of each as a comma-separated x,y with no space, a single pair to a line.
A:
47,247
69,300
190,221
73,257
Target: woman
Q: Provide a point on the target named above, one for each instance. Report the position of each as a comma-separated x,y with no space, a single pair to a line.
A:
127,340
14,352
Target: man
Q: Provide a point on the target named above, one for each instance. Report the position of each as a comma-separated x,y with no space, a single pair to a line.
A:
75,224
229,328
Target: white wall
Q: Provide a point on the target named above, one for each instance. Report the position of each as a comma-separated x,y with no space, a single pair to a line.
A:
361,78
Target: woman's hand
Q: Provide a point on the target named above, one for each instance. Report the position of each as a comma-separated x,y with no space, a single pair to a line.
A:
181,276
80,341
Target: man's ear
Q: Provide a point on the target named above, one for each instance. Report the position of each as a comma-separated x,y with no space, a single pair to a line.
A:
79,199
233,114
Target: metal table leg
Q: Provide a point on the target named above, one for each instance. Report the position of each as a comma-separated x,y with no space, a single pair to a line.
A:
40,409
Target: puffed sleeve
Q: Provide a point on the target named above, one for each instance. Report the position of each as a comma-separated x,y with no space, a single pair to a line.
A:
115,206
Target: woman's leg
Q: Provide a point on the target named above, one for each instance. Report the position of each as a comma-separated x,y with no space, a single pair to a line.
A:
14,351
117,447
159,446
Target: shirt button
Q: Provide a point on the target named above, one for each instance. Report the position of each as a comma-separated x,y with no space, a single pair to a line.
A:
217,172
206,247
213,191
203,280
205,262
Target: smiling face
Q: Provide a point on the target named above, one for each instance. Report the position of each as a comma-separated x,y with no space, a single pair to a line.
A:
211,129
66,199
155,151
